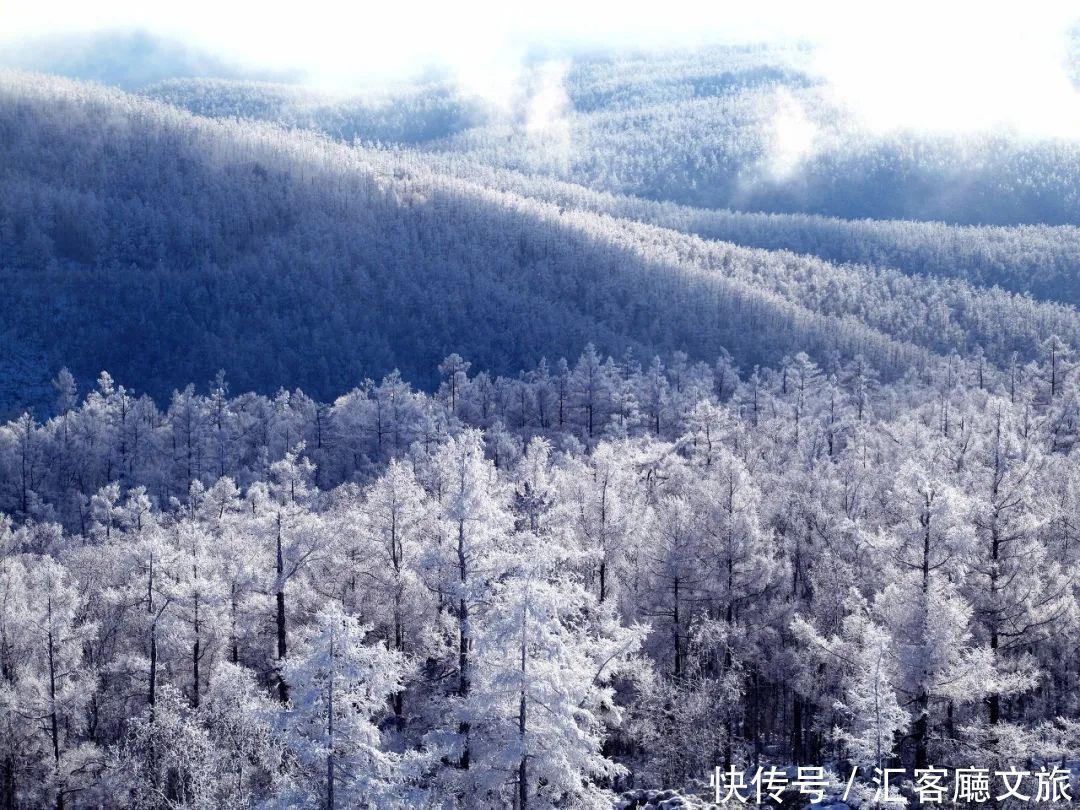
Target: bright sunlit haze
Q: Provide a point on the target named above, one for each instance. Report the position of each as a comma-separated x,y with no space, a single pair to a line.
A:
957,66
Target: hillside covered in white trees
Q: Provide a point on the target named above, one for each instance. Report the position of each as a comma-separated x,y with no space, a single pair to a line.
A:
400,448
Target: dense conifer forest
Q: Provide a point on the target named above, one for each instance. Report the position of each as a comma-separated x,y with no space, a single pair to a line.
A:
400,449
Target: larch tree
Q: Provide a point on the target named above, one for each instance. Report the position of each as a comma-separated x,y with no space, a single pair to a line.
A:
861,663
296,535
340,689
1019,590
547,656
46,683
393,524
604,509
474,524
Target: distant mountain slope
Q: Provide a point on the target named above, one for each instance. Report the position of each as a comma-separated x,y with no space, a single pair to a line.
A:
129,59
748,129
1042,260
754,129
783,148
411,112
626,80
405,114
289,260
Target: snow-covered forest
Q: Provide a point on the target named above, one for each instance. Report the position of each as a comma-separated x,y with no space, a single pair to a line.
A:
392,450
587,576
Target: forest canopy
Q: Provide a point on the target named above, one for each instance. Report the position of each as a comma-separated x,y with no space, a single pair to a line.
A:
408,447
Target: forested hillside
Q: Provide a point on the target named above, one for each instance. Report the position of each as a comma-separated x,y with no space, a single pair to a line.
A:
768,156
1037,259
215,245
408,114
744,128
757,131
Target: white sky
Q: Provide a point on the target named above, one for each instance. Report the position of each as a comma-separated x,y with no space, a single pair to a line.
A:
939,64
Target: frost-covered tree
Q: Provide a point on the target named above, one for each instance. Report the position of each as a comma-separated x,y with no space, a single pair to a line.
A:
45,685
604,508
340,687
469,554
388,532
864,661
546,657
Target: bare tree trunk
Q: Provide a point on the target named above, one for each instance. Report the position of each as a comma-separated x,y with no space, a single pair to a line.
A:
920,729
9,783
54,727
523,783
330,733
463,644
676,641
195,662
152,696
282,648
235,640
